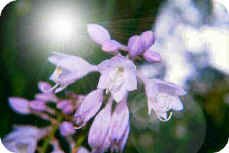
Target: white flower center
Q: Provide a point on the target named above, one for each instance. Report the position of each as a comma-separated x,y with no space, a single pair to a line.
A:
117,78
56,74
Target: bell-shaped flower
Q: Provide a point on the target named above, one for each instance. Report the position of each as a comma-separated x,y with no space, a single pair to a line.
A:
68,70
98,137
101,36
118,76
163,97
20,105
67,128
89,107
24,139
119,127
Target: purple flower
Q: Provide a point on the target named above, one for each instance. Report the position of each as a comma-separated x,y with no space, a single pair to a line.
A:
101,36
66,106
163,97
151,56
44,86
119,127
24,139
46,97
82,150
67,128
147,39
69,69
37,105
89,107
98,137
141,45
118,76
20,105
135,46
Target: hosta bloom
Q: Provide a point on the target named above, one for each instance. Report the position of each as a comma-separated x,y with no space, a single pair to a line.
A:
98,137
66,106
37,105
89,107
141,45
20,105
67,128
118,76
163,97
119,129
46,95
68,69
24,139
102,37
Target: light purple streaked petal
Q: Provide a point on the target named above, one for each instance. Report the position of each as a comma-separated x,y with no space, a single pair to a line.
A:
148,39
89,107
98,33
151,56
119,126
135,47
99,130
20,105
37,105
111,46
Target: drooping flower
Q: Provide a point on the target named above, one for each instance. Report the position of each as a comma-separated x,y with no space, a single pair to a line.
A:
24,139
118,76
67,128
163,97
119,126
89,107
98,137
101,36
68,69
20,105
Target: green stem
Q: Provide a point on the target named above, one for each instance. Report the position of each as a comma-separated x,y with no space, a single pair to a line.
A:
51,135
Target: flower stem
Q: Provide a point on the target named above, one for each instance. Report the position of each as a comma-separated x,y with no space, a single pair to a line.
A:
51,135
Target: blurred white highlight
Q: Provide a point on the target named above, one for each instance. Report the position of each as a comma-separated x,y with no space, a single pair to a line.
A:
3,148
61,25
3,3
225,149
